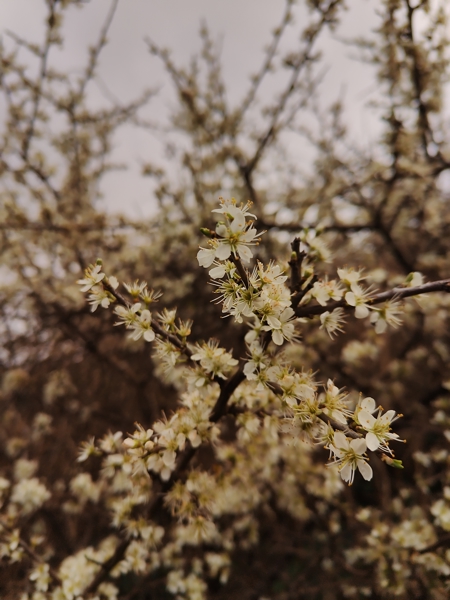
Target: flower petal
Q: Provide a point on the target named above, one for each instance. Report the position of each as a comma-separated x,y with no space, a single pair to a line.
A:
205,257
373,443
277,337
244,252
217,272
365,419
221,229
350,298
388,416
339,417
368,404
359,445
365,470
340,441
149,335
223,251
347,473
361,311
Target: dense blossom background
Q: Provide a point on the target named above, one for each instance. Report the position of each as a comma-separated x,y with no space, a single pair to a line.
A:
243,504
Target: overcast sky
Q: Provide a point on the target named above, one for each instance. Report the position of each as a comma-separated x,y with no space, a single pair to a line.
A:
243,28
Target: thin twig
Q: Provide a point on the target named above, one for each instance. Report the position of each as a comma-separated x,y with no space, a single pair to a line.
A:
31,553
397,293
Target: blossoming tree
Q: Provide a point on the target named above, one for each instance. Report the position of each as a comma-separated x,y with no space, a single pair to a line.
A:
275,428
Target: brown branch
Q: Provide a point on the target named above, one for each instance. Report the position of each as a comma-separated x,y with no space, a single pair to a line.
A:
339,426
299,63
225,394
155,325
417,80
246,173
31,553
445,540
385,233
41,77
107,566
73,331
41,176
103,227
95,51
295,227
376,226
218,411
397,293
270,55
295,264
241,270
297,281
34,226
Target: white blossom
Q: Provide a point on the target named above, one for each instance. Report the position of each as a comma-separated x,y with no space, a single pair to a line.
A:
141,327
41,577
349,456
414,279
30,494
389,314
213,359
282,327
99,297
378,429
332,322
358,297
92,276
324,291
349,276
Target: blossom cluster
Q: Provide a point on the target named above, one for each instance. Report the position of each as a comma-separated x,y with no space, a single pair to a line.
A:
156,450
266,396
269,400
261,294
261,297
350,289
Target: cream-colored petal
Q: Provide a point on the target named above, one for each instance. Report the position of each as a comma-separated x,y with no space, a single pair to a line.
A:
359,445
365,470
365,419
373,443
